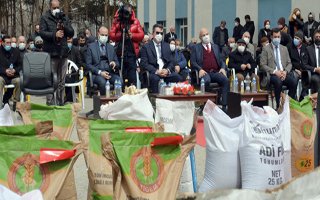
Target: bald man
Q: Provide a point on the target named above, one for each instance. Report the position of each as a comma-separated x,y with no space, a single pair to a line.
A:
55,43
206,58
102,61
171,35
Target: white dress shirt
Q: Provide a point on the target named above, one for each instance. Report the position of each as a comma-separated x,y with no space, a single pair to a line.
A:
159,59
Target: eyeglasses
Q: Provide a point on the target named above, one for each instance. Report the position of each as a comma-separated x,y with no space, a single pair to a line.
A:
55,8
161,33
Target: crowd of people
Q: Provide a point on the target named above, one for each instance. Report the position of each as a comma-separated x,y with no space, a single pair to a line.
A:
284,52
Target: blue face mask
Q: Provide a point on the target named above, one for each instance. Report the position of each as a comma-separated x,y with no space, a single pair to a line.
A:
32,46
7,47
70,45
276,41
296,42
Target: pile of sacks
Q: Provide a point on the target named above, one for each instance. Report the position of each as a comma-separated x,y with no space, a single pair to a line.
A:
259,149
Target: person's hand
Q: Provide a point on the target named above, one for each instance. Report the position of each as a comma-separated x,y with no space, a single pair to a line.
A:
298,72
283,75
222,71
177,68
243,67
9,72
164,72
129,34
138,69
248,66
278,74
105,75
60,34
317,70
113,65
202,73
294,16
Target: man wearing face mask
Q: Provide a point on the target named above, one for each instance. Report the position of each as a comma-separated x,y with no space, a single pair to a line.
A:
275,60
55,27
14,42
264,32
249,27
309,27
313,62
247,37
102,61
206,58
30,45
157,59
180,62
38,43
238,29
220,35
9,75
242,61
226,50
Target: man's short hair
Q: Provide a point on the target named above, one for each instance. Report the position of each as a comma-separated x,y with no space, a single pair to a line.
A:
247,17
81,35
275,30
317,31
156,26
50,2
6,37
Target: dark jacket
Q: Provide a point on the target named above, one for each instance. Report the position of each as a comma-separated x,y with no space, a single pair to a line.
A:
83,51
298,60
167,37
264,33
216,36
249,26
197,56
95,61
311,62
6,59
295,26
313,28
74,55
236,59
285,39
237,32
149,57
48,29
179,59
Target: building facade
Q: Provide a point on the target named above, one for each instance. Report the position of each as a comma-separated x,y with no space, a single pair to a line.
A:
189,16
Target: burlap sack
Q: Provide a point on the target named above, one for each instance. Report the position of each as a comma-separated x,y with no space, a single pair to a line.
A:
99,169
303,130
63,119
21,171
143,170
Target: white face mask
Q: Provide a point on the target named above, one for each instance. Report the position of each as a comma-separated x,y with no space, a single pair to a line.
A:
113,43
22,46
172,47
241,49
158,38
14,45
103,39
206,39
267,26
247,40
236,24
232,45
55,11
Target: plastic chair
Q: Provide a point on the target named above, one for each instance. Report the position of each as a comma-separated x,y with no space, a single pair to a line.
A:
76,84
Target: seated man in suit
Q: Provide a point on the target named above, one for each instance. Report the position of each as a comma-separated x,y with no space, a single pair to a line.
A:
242,61
156,58
102,61
275,60
205,57
10,66
313,61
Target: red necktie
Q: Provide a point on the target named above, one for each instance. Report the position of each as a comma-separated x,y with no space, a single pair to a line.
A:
208,48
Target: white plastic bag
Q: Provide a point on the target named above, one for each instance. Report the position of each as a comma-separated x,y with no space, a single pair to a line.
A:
5,116
129,107
262,148
6,194
178,116
222,141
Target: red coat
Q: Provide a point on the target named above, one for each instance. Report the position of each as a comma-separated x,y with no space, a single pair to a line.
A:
135,29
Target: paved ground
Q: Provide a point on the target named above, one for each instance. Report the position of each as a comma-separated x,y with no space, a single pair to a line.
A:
80,169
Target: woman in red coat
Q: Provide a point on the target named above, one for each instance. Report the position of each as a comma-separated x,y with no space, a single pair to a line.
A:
125,18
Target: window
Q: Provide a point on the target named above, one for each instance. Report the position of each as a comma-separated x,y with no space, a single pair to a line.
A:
182,30
164,24
146,28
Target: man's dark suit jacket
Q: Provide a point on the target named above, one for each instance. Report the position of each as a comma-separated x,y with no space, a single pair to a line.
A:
94,61
197,56
149,57
312,59
167,37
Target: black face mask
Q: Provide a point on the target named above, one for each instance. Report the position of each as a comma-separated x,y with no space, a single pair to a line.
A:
39,46
82,44
310,20
317,42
